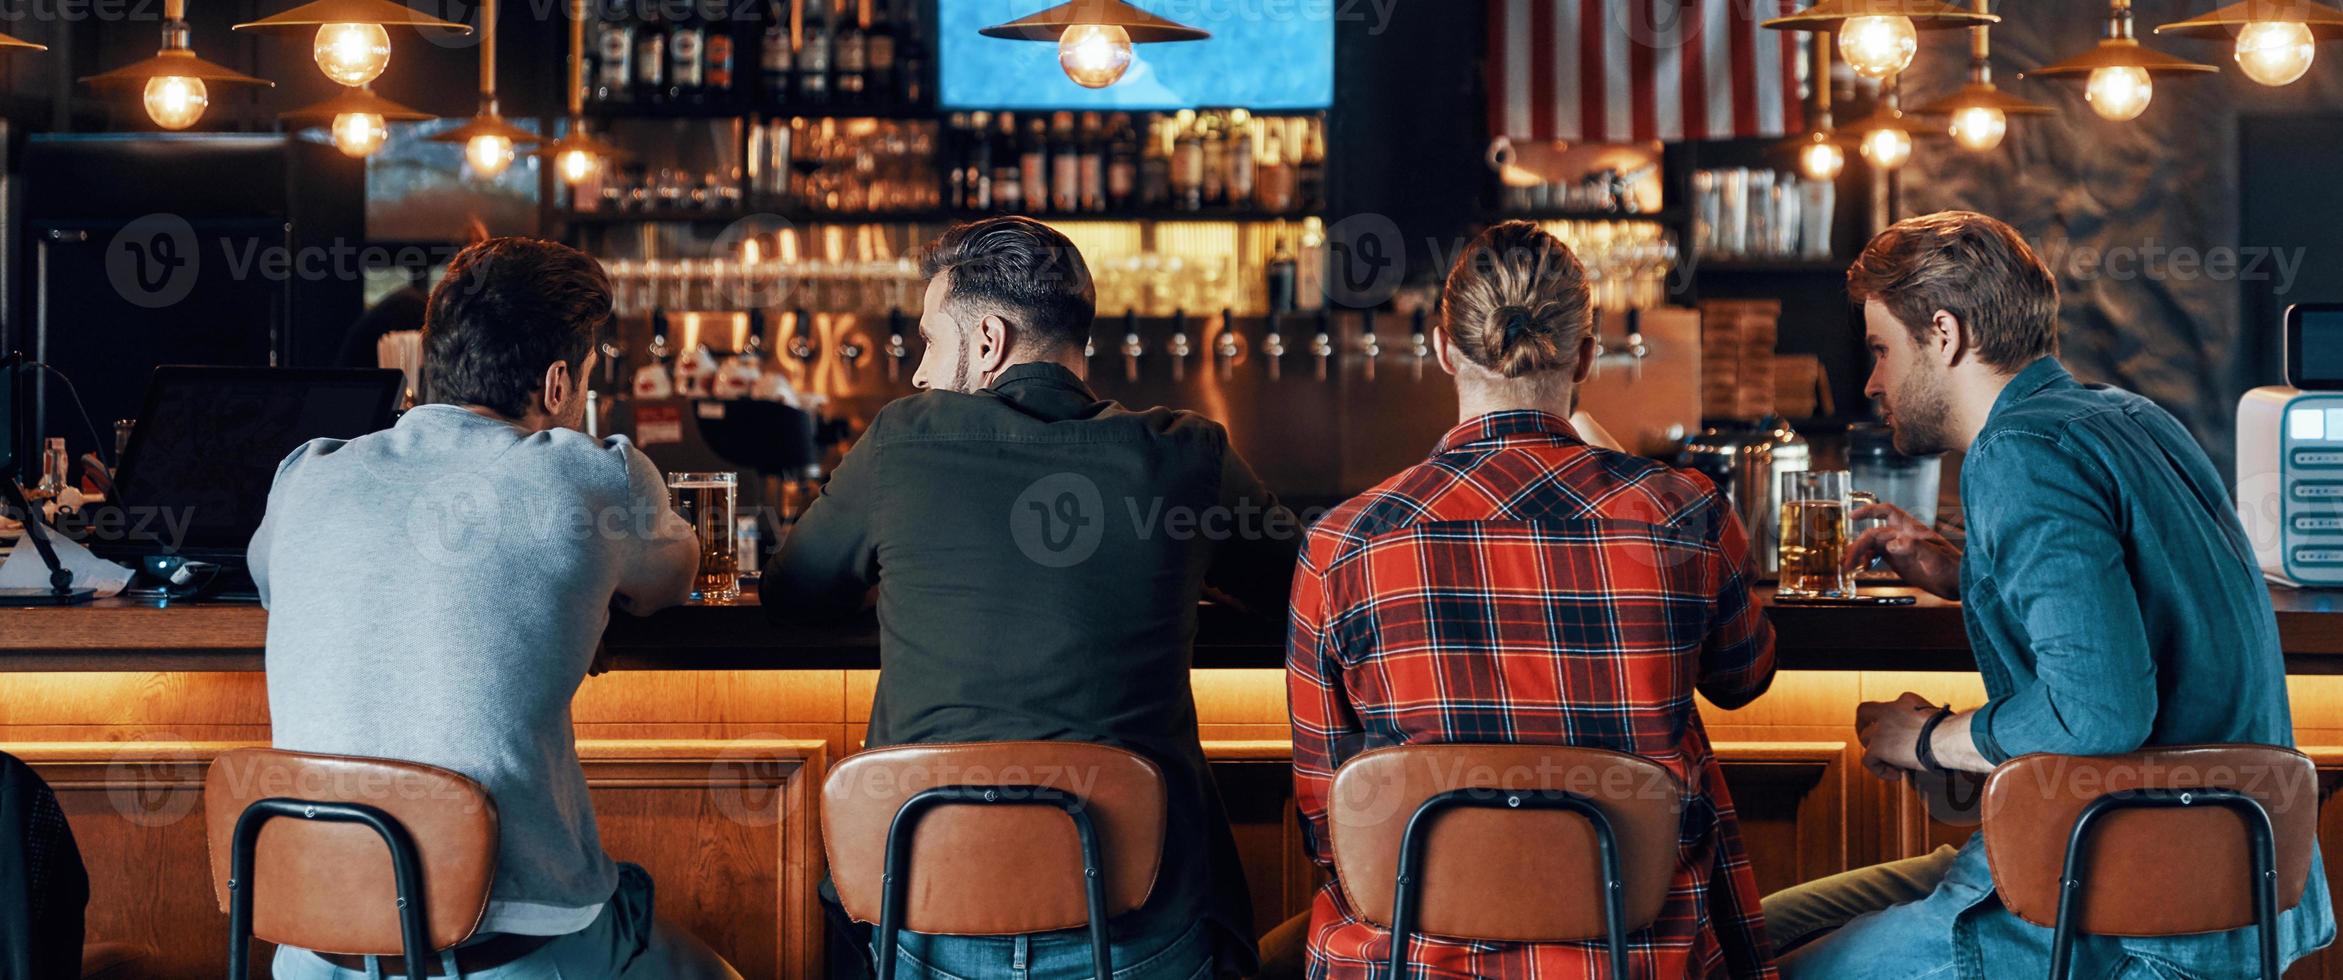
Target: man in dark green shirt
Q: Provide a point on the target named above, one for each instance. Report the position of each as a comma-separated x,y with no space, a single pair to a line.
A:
1039,555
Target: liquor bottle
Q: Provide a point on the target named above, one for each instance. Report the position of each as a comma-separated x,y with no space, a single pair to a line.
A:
1273,185
650,82
813,56
910,56
1065,170
1187,169
878,75
1215,162
1241,167
1008,167
717,75
1310,176
1093,168
687,41
777,55
614,52
850,56
1033,166
1155,183
980,163
1122,164
1281,273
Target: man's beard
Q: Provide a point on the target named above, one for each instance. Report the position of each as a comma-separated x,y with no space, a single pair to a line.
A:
960,370
1922,413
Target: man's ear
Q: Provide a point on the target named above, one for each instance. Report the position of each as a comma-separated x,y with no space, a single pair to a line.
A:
1947,338
990,347
1443,349
1586,359
558,389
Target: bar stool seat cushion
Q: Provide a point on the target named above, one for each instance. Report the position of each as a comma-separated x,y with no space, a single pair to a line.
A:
1500,875
994,870
328,887
2161,872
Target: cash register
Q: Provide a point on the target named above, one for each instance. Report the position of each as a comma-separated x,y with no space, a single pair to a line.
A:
2290,455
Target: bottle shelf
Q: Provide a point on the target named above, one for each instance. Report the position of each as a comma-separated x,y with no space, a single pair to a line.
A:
937,217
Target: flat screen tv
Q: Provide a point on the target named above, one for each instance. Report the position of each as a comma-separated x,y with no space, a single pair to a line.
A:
1269,57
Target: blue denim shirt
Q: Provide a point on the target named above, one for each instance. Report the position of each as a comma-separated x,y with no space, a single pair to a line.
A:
2113,602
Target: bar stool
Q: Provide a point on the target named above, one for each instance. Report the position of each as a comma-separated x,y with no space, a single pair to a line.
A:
2169,842
317,879
921,837
1534,843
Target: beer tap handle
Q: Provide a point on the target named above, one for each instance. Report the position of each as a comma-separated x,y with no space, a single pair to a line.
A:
1273,349
1227,346
850,351
1637,351
1322,343
1370,347
1419,342
895,350
1133,348
1178,347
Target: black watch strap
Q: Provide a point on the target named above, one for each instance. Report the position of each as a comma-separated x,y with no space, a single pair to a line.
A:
1925,749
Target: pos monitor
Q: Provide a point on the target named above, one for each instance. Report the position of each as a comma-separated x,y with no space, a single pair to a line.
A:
193,482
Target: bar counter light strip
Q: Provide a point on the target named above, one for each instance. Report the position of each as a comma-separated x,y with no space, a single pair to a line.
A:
1604,71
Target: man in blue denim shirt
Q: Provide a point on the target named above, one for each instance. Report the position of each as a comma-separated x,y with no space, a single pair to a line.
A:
2111,599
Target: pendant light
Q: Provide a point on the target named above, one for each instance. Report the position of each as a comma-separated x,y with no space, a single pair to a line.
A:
2121,73
352,40
488,140
1980,112
577,156
1820,155
2276,39
357,119
1094,37
1878,38
1885,136
175,84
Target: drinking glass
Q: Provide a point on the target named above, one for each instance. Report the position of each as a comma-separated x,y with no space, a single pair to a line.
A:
706,501
1814,534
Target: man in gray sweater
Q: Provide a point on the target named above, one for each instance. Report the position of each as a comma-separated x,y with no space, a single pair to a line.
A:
436,591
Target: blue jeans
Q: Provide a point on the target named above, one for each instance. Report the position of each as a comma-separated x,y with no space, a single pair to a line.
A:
1052,956
626,940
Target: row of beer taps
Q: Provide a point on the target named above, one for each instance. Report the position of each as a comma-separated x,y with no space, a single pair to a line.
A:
1230,346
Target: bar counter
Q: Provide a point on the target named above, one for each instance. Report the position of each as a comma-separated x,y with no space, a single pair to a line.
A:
131,634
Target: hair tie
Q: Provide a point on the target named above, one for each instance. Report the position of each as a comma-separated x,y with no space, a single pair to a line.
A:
1517,323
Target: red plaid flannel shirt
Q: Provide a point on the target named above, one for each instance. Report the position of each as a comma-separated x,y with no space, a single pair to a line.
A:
1522,587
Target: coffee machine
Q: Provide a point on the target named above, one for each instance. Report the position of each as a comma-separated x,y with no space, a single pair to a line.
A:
2290,455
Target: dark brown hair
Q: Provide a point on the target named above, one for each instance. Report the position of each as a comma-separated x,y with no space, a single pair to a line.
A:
1969,265
506,309
1517,301
1022,269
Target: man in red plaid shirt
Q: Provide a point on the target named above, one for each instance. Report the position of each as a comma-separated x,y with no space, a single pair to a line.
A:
1520,586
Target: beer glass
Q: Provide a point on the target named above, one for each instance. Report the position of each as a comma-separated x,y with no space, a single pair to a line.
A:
706,501
1814,540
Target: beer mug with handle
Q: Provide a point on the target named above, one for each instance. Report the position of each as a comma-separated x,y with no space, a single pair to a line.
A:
1815,534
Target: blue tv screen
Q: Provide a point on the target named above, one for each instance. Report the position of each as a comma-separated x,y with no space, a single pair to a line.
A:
1262,56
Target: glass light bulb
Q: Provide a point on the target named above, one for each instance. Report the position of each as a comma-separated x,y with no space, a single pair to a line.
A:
1877,47
2119,93
358,134
2275,52
577,166
1979,127
1887,149
352,54
1822,161
1095,55
175,101
488,154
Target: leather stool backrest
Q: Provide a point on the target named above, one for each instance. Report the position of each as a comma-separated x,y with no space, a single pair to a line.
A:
994,870
2158,872
328,886
1500,875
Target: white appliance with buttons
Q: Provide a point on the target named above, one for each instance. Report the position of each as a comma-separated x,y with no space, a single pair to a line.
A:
2290,455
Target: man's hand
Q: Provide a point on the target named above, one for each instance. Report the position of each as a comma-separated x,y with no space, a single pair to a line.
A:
1890,733
1914,550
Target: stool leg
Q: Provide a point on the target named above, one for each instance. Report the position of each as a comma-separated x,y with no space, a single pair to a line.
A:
1102,954
895,879
2260,840
1407,889
406,871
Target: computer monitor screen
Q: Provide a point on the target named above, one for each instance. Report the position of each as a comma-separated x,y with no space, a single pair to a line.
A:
194,480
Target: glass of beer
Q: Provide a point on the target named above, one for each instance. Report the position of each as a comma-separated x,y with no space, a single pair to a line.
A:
707,500
1815,505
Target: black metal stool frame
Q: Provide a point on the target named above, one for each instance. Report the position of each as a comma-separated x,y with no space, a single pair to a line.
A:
1411,860
895,882
406,869
2260,838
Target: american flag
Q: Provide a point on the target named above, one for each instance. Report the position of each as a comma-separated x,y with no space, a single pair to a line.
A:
1611,71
